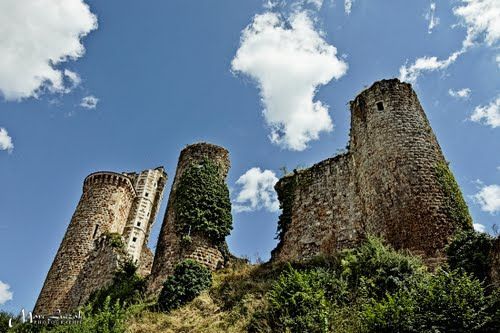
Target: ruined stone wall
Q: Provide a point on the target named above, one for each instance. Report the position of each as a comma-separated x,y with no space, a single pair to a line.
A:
386,184
322,209
170,249
102,263
103,207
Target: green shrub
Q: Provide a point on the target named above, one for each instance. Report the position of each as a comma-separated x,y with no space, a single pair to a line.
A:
189,279
375,269
297,302
127,288
470,250
444,302
202,202
109,319
4,321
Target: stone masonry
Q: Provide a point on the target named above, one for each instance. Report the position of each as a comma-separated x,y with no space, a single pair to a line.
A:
385,184
111,203
169,249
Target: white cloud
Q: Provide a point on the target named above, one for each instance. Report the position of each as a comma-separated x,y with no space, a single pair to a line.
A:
89,102
348,6
74,79
36,37
316,3
480,17
431,17
5,293
289,60
5,140
257,191
479,227
429,64
489,198
488,114
462,93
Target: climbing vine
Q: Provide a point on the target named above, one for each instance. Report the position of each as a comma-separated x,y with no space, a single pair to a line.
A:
202,203
286,197
456,207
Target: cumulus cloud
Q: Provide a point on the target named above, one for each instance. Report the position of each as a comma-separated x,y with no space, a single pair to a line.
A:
489,198
5,293
5,140
35,38
89,102
488,114
479,227
460,94
431,17
257,191
480,17
348,6
289,60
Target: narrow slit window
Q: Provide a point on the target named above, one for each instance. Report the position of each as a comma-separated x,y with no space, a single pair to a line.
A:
95,230
380,106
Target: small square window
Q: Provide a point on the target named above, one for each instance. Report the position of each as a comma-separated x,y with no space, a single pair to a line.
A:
380,106
147,194
138,224
134,239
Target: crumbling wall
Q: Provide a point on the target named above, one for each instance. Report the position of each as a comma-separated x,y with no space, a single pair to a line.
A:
393,182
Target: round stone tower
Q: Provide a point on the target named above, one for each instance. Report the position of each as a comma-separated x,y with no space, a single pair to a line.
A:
171,249
103,208
407,192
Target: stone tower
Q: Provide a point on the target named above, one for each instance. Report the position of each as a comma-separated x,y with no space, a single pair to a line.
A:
170,249
393,181
111,203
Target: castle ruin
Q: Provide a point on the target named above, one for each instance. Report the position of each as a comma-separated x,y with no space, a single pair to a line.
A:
112,204
393,181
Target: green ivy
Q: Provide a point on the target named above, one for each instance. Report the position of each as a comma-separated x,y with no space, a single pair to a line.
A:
202,202
456,207
286,197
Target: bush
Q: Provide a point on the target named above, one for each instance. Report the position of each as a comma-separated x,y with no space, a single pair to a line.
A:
470,251
445,302
297,302
202,202
189,279
127,288
375,269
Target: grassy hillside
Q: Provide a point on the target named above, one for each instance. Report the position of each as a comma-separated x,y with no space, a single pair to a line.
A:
371,288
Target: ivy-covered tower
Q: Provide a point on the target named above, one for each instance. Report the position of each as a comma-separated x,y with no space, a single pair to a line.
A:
198,216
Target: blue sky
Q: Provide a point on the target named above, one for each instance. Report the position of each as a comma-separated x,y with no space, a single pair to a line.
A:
125,85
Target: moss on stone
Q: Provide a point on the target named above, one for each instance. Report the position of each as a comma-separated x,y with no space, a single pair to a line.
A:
202,202
456,208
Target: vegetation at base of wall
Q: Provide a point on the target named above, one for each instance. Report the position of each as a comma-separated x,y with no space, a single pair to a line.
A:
127,288
456,207
202,202
469,251
371,288
190,278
